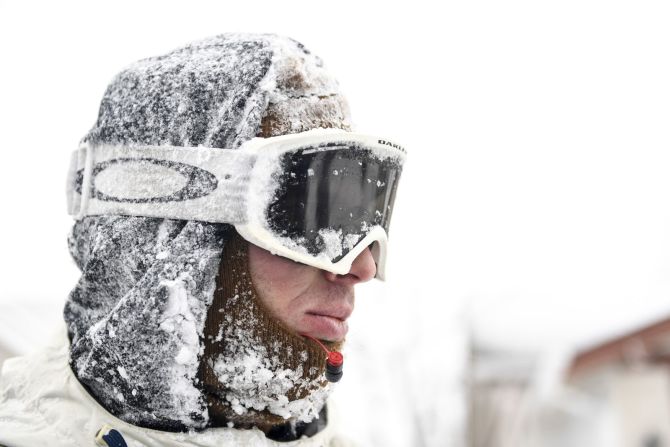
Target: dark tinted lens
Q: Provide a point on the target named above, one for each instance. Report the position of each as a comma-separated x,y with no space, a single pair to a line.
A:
329,197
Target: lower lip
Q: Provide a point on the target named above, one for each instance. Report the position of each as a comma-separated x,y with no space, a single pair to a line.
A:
325,328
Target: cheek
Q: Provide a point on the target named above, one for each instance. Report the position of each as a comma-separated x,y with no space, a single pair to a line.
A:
279,282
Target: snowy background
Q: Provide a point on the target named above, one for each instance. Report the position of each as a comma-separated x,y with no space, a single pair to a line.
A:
535,207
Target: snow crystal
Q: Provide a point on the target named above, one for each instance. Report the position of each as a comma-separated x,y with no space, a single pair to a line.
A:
163,235
122,372
332,240
177,307
350,241
185,356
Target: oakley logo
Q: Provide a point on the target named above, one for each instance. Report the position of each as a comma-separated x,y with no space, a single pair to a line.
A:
147,180
393,145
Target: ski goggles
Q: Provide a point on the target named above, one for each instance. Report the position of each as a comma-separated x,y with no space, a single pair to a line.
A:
319,197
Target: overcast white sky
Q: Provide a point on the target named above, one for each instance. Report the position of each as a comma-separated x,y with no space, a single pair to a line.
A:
537,192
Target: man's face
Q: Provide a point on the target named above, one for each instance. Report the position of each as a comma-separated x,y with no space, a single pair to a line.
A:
308,300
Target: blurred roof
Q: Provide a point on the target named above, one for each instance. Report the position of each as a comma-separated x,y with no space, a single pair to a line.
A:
649,343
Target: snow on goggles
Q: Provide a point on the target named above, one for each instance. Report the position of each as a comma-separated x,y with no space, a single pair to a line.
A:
319,197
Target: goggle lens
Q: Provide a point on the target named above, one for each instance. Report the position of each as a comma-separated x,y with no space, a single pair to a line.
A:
328,198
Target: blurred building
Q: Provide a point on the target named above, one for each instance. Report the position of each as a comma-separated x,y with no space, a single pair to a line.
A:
613,394
499,390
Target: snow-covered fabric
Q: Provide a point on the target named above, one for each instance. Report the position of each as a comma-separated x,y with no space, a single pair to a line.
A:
255,371
43,404
135,318
136,315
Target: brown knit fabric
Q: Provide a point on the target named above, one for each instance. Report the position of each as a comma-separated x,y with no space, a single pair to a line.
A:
237,324
305,113
304,103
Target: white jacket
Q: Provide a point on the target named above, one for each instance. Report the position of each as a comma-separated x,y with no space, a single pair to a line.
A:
43,404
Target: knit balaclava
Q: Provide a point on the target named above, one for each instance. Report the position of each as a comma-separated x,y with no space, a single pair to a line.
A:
255,370
156,338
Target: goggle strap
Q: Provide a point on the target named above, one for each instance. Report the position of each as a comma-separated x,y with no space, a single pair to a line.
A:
189,183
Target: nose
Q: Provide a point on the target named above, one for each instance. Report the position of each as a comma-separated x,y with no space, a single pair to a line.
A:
363,269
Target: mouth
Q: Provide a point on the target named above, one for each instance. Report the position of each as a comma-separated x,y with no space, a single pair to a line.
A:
327,325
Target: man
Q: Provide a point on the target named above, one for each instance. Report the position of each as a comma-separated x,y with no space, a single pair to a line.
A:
217,268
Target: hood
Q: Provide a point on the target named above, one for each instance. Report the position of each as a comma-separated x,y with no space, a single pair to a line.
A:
135,317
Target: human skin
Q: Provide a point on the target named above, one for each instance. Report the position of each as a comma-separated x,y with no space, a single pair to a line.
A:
308,300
